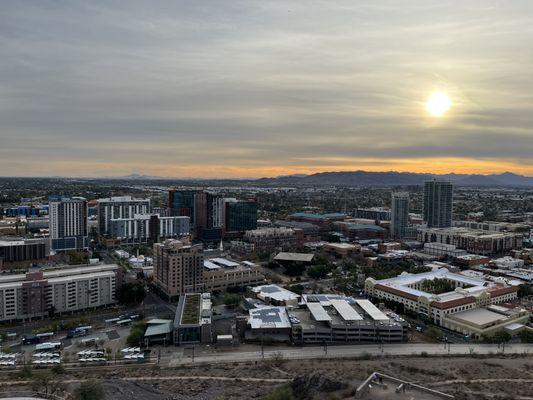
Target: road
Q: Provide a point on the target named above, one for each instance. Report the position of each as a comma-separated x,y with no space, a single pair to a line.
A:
314,352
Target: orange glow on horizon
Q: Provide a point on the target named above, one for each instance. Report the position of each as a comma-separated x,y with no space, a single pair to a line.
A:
299,166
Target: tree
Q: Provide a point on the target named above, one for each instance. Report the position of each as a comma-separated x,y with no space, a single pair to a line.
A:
298,289
78,257
89,390
502,337
525,290
136,335
526,336
434,333
295,269
131,294
232,300
318,271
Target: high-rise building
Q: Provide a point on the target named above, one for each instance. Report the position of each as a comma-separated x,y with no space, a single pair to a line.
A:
144,227
241,215
399,215
124,207
209,216
438,201
68,224
178,267
183,203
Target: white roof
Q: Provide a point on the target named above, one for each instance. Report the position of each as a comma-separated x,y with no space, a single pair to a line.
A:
345,310
274,292
210,265
269,317
513,327
405,280
224,262
372,310
318,312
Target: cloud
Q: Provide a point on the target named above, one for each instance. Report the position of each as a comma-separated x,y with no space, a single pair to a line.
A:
252,87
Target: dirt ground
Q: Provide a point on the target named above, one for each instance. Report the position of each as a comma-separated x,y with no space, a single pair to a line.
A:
465,377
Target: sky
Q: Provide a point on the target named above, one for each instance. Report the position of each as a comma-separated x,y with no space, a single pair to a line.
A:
224,89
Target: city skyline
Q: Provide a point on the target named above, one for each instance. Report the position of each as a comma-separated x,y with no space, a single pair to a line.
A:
255,89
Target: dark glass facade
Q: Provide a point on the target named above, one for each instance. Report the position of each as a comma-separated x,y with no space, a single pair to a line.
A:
241,216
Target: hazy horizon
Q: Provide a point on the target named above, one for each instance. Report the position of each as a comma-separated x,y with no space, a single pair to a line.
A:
135,173
249,89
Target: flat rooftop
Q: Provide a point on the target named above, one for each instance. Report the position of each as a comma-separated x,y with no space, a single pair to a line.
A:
274,292
269,317
296,257
478,316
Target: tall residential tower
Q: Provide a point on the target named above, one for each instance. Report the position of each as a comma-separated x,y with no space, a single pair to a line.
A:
438,200
68,224
399,215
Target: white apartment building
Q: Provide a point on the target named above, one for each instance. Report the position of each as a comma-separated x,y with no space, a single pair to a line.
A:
68,224
36,294
123,207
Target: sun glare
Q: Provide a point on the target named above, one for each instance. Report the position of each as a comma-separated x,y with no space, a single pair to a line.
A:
438,104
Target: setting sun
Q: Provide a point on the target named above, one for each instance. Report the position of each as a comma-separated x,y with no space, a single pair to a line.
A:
438,104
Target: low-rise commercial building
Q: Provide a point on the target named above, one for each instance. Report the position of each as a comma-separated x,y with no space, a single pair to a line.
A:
356,232
389,246
37,294
485,322
493,226
507,262
471,260
192,323
442,250
241,247
438,293
275,295
271,239
374,213
473,241
23,252
317,218
341,249
310,232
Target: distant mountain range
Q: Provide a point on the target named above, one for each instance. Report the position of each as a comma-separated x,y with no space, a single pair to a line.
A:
363,178
392,178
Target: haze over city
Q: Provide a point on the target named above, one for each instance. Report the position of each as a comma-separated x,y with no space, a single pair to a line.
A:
270,200
252,89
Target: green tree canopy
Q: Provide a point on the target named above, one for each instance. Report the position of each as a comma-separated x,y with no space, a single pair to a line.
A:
131,294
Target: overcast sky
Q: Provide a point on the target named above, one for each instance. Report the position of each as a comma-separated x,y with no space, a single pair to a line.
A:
263,88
